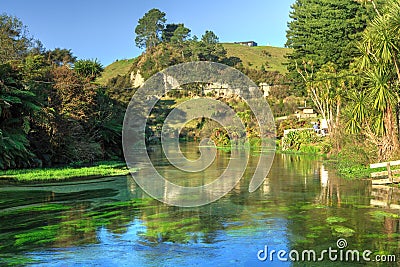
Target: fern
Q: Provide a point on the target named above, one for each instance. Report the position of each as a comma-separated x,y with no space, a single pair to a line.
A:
16,106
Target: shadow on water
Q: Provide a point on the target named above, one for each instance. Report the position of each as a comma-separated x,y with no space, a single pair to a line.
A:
112,222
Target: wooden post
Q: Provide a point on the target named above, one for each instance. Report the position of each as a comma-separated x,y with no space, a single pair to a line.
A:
390,194
389,173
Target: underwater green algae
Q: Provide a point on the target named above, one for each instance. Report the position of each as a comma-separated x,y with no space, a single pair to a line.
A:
342,230
379,214
41,235
335,219
312,206
176,231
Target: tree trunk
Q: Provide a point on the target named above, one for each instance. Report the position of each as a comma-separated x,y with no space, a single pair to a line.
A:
391,126
390,141
398,119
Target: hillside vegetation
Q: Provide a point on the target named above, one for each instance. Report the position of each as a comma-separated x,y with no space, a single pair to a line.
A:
272,58
119,67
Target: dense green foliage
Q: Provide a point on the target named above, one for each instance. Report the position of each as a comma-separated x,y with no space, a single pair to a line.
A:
322,31
17,105
49,112
88,68
355,90
376,106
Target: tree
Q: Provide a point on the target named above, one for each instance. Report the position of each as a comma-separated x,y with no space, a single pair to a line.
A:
105,124
324,31
149,28
210,38
380,66
168,32
209,48
74,96
72,100
60,56
89,68
326,88
17,104
15,41
381,40
180,34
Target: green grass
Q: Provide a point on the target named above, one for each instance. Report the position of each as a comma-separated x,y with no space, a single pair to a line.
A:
50,174
120,67
255,57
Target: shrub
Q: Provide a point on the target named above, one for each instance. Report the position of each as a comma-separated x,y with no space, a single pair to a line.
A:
309,149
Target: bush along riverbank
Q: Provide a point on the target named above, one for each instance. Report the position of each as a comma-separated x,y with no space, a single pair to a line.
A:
351,155
304,142
350,161
72,171
347,168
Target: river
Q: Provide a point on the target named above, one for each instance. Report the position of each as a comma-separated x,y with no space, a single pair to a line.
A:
112,222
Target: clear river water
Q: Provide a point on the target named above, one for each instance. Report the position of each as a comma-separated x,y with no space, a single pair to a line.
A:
301,206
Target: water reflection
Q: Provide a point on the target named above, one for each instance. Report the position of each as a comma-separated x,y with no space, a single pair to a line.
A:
330,189
385,197
112,222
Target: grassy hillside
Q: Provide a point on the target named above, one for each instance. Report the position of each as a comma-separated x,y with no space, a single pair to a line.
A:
255,57
120,67
252,57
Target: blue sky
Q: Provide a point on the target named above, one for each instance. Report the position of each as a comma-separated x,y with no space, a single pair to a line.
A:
105,29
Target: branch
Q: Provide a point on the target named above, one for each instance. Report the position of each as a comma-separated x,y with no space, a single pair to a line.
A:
375,8
314,95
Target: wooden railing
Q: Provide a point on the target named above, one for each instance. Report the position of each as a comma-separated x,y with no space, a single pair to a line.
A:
389,172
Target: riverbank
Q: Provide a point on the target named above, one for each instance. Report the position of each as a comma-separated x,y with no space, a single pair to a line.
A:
345,166
349,163
100,169
348,169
